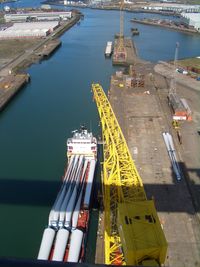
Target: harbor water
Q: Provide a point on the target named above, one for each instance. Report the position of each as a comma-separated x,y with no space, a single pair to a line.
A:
35,125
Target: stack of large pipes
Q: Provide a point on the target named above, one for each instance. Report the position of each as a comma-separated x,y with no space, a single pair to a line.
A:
63,217
172,154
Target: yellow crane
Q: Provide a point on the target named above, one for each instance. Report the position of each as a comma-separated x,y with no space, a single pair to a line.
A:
120,53
121,33
172,89
132,230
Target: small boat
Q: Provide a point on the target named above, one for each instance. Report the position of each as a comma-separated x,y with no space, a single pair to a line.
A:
135,31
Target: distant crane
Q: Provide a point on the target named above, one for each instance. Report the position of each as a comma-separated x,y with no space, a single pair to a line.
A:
173,98
121,51
121,34
172,89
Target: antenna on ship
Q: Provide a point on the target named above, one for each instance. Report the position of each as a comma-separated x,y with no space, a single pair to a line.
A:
90,126
83,127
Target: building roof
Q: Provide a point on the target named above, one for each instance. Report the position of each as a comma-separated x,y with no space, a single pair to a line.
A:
174,5
28,29
192,16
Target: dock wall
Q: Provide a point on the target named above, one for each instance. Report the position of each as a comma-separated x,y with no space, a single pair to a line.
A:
165,26
10,79
10,86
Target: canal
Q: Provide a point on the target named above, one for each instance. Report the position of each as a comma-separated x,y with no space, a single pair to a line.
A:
35,125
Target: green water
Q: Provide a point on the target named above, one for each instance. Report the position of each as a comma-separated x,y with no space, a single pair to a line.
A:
33,132
35,125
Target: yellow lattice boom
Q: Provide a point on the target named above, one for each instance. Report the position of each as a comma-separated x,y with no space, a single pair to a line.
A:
122,188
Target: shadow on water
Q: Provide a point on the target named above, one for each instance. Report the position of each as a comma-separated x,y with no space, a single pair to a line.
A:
171,197
43,192
22,192
94,213
11,262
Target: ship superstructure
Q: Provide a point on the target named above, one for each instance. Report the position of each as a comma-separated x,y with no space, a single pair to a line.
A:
82,143
64,238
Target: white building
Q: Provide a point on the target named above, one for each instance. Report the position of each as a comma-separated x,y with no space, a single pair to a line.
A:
192,19
38,16
173,7
29,30
6,8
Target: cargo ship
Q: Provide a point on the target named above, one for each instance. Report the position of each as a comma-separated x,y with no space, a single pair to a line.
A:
65,237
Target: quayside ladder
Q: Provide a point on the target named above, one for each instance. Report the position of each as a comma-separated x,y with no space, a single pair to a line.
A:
132,230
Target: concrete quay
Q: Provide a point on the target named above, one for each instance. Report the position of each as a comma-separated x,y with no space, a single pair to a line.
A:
165,25
144,114
130,51
143,117
100,248
9,86
49,48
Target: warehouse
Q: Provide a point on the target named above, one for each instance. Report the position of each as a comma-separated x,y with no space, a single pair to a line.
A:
38,16
192,19
173,7
28,29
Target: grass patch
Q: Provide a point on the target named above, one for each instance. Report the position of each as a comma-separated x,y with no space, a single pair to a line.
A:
12,48
190,63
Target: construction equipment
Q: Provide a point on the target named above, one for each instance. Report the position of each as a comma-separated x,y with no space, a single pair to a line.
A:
180,108
133,233
121,35
176,126
172,89
121,51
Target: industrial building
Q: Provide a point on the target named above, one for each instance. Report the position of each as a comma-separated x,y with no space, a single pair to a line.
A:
38,16
192,19
74,3
174,7
28,30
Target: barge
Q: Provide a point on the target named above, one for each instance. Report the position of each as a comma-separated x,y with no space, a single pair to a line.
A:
108,50
65,237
